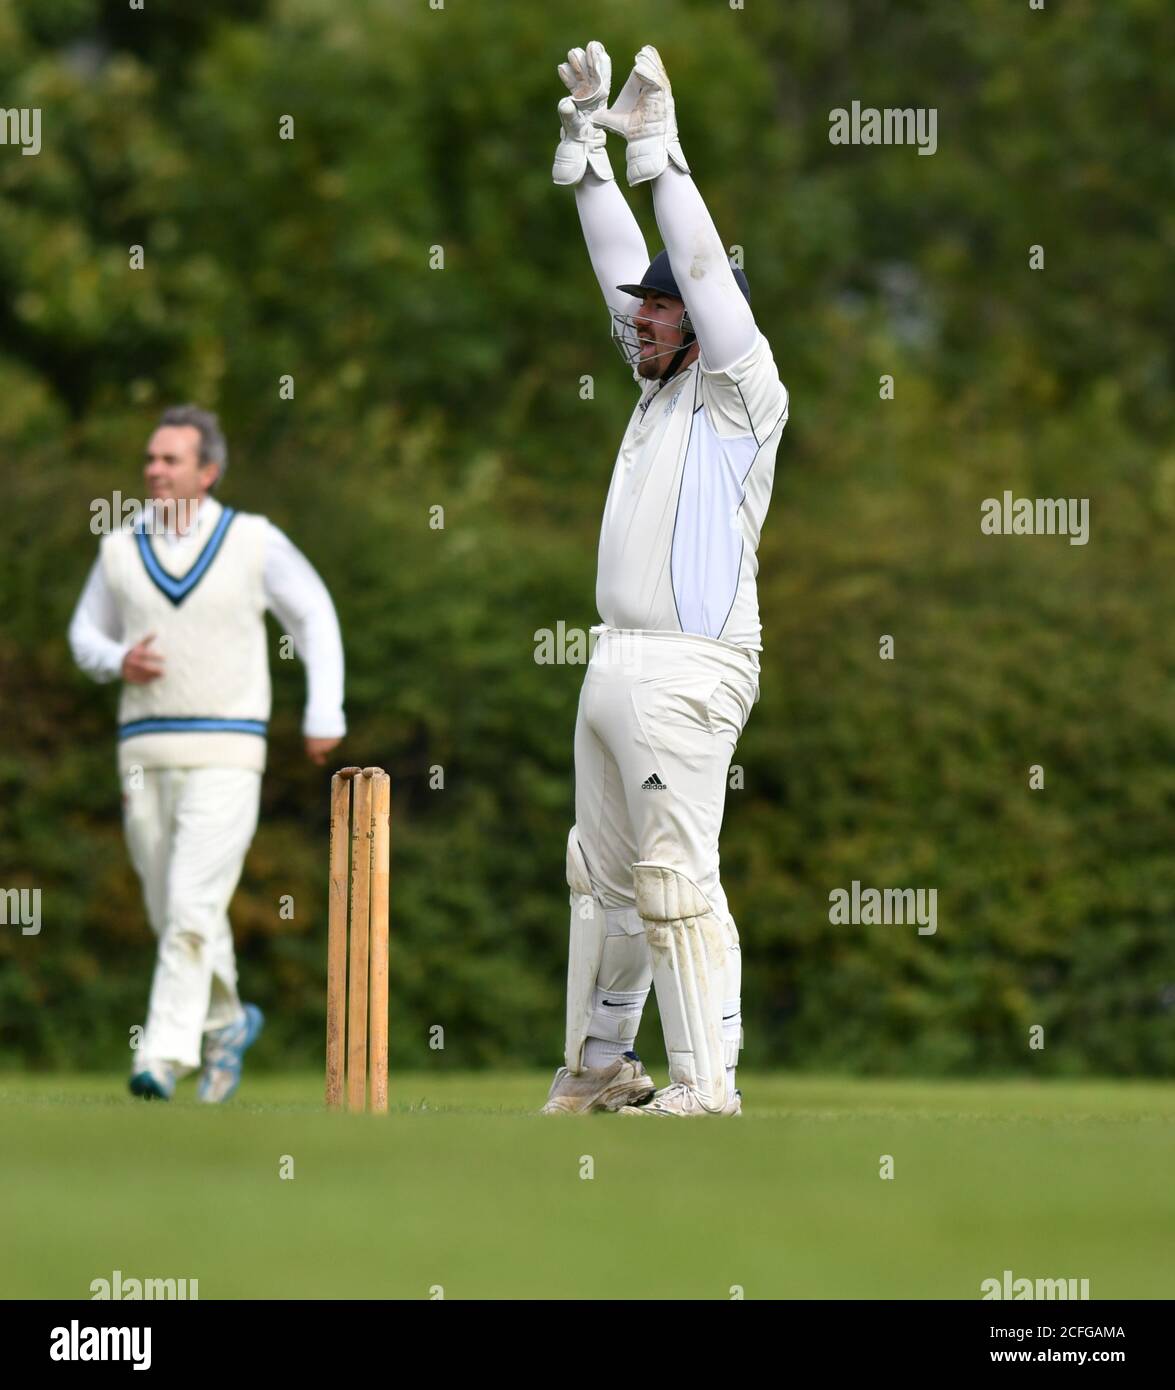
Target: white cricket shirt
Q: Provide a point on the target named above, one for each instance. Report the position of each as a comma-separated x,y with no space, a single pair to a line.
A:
688,497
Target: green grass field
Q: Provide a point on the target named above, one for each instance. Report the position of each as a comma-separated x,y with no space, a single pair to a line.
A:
465,1188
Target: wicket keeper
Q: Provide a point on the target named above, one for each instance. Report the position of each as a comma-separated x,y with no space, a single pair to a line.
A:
675,669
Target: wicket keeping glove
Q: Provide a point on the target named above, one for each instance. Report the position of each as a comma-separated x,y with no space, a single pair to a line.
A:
643,113
588,76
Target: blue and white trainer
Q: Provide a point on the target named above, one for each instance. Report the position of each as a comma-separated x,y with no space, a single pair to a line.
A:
154,1081
224,1055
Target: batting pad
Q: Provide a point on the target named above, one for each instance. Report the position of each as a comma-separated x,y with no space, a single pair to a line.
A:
688,943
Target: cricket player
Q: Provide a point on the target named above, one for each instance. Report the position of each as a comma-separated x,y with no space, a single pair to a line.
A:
675,669
175,607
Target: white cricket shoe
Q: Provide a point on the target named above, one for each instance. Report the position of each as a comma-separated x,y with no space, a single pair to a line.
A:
679,1099
624,1083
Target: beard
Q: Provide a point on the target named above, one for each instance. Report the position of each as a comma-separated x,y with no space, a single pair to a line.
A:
651,367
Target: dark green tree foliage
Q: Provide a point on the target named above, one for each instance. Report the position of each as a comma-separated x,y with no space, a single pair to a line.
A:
460,388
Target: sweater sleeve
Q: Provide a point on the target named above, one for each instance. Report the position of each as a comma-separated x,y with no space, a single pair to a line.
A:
299,600
95,630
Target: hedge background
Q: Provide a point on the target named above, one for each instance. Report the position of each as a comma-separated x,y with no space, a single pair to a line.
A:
461,388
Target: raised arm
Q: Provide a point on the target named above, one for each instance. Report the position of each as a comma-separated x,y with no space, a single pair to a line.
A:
614,240
720,316
644,114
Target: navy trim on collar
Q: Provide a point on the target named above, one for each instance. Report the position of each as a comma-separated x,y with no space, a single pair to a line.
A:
178,589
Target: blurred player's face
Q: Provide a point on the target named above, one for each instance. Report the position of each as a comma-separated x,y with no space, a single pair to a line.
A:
173,469
658,326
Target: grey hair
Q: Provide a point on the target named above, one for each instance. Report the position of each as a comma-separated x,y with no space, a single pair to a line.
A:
213,446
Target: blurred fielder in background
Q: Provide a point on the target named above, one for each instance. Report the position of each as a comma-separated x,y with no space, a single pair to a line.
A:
675,669
175,606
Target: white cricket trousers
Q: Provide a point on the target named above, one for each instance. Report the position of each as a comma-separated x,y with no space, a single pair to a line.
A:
188,831
659,716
